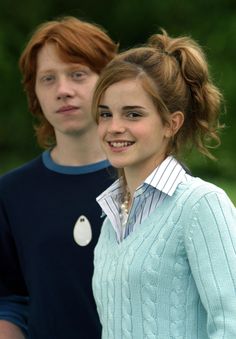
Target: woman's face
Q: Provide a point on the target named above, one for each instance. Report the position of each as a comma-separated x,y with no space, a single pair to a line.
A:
130,128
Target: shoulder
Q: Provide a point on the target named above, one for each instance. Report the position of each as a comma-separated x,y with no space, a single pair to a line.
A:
193,190
197,198
21,173
204,203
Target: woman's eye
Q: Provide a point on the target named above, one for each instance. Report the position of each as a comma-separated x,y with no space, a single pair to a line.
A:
134,115
104,115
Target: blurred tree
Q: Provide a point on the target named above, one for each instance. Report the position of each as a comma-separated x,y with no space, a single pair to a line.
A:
212,23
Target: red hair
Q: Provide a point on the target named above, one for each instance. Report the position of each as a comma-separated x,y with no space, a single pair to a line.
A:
77,42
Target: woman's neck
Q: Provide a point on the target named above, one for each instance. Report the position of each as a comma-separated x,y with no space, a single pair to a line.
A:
136,175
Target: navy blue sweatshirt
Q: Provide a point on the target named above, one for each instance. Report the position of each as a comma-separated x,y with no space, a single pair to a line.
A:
39,258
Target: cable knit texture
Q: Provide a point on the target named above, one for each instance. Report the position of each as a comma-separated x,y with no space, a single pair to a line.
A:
175,275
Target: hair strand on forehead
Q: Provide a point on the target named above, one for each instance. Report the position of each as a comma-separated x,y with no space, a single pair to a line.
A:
174,72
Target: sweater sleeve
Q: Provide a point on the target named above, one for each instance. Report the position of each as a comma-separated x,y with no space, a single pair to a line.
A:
211,249
13,293
15,310
11,277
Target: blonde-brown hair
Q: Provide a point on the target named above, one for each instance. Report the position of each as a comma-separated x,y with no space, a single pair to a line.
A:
174,72
77,42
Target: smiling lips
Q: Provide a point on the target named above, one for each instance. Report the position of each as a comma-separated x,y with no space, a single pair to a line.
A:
120,144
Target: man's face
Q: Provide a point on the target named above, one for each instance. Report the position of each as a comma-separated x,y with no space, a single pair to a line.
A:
64,91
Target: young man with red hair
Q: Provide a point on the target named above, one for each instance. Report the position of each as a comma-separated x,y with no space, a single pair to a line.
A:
49,219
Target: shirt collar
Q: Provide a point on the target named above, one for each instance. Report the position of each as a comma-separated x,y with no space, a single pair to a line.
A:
165,177
114,189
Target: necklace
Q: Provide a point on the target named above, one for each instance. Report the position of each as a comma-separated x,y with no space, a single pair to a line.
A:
124,211
125,204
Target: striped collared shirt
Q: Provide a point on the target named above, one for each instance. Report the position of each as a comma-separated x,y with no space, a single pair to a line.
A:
162,182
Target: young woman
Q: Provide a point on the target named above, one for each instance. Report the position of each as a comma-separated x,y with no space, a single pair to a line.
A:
165,263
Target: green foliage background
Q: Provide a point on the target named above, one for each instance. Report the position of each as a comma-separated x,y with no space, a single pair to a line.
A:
212,23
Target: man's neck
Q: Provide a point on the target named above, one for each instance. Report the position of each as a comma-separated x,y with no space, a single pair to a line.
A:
71,151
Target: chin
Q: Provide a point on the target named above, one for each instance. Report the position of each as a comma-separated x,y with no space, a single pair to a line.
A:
116,164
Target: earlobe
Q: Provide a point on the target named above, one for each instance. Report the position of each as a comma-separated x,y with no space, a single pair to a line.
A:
175,123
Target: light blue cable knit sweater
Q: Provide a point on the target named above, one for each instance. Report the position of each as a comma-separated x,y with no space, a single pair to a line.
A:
175,275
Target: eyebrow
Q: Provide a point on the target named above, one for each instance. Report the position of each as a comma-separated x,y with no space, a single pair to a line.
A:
123,108
45,71
103,106
70,67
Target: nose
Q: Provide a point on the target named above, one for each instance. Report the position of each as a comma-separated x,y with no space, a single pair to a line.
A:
116,126
64,89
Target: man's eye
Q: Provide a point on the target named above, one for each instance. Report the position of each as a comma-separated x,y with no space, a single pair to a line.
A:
77,75
47,78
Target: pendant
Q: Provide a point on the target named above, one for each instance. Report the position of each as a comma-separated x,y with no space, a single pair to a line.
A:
82,232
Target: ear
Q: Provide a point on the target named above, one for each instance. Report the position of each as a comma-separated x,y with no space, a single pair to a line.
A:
176,120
